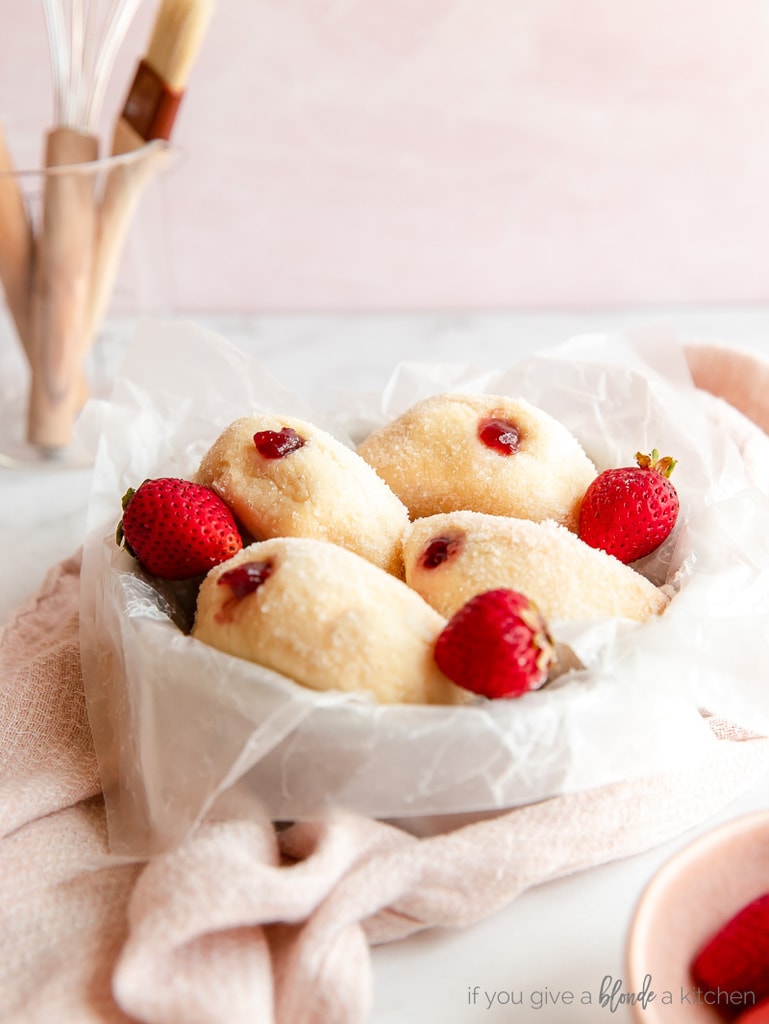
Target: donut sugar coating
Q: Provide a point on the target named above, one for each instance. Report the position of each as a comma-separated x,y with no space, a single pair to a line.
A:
326,618
284,477
485,453
450,557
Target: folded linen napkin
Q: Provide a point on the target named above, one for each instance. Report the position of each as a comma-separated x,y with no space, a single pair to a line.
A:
245,922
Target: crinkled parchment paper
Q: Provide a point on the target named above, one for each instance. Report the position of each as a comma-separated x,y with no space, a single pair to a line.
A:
181,728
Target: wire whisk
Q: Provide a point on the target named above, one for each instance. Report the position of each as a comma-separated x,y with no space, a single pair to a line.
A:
84,40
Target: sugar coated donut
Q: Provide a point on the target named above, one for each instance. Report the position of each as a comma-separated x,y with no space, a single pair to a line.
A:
284,477
485,453
327,618
453,556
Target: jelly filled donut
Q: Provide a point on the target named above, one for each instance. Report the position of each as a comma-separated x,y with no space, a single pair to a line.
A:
284,477
451,557
485,453
327,618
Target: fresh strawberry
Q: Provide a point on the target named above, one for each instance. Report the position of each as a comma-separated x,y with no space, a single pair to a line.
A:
496,645
628,512
758,1014
177,529
736,959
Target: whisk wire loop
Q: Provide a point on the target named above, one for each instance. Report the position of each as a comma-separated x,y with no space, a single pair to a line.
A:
84,41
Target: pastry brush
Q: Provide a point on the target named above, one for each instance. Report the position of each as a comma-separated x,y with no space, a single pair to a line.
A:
153,100
148,115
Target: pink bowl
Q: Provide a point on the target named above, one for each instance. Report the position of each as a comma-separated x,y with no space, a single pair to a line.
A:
686,902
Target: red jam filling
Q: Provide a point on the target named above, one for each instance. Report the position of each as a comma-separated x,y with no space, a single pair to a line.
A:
276,444
440,549
499,434
245,579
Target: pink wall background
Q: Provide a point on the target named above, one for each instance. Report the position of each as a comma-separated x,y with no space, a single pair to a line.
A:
423,154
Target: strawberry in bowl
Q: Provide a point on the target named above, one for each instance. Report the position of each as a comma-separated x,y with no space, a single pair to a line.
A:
176,529
628,512
496,645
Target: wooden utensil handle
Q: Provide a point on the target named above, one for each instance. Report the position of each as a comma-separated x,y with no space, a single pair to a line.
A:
61,288
123,189
16,246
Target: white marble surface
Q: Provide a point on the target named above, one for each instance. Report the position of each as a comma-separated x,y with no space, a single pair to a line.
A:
564,936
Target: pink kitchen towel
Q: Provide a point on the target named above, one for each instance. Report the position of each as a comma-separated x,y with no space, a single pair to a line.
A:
244,919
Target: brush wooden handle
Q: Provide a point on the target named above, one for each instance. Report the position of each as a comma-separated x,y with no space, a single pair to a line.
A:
16,246
61,290
148,115
123,189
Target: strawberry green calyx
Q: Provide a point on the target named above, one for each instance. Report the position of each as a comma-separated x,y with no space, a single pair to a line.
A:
120,537
664,466
126,499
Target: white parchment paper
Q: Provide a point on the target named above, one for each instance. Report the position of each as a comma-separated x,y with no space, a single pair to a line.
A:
182,730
